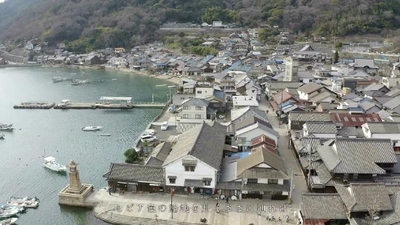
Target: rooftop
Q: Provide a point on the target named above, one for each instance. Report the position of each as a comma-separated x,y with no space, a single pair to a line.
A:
322,206
135,173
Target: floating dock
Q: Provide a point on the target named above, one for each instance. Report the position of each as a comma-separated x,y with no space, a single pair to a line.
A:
92,106
35,105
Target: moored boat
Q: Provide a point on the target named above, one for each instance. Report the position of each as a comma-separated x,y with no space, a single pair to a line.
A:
91,128
24,202
8,211
8,221
1,136
50,163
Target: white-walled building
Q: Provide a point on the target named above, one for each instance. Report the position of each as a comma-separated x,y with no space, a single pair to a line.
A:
196,158
244,101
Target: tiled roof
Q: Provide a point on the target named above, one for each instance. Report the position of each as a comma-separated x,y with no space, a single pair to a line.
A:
281,96
320,127
267,187
392,217
195,102
204,142
350,131
250,121
384,127
360,156
392,103
261,156
280,85
309,88
262,139
134,173
309,116
322,206
362,197
240,114
353,120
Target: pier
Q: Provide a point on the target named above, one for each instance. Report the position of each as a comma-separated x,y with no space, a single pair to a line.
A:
104,103
35,105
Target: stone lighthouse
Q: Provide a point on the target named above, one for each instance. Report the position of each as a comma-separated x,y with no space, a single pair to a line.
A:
75,193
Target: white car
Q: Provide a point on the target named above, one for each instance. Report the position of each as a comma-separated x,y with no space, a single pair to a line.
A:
164,126
148,137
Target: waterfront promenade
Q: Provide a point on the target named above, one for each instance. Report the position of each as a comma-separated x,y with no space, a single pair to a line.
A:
153,209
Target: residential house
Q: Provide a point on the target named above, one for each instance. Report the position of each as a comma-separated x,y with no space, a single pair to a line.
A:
320,129
321,208
361,198
260,174
283,103
117,62
179,98
306,90
93,60
347,119
244,101
204,90
247,112
375,90
135,178
358,158
250,128
194,112
194,163
273,87
192,71
393,105
296,120
265,142
383,130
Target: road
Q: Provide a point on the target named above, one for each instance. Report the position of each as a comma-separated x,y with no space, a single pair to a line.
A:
292,164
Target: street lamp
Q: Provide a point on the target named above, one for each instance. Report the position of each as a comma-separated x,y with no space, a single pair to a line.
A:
170,91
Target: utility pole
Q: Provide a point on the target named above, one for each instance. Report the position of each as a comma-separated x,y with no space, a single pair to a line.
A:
172,208
309,164
291,187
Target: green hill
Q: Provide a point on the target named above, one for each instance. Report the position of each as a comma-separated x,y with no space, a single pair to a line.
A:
90,24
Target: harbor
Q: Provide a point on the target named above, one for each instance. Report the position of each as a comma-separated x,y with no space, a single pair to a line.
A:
104,103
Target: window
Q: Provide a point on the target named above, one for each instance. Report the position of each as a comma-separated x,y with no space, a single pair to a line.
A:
207,182
182,98
252,181
172,180
272,181
185,107
189,168
199,92
185,116
199,108
198,116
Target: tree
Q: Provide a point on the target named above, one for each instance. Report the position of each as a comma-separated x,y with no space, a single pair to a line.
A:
338,45
131,156
336,57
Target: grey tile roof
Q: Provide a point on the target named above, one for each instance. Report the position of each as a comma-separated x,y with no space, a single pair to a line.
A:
195,102
321,96
323,174
281,85
384,127
392,217
152,161
134,173
204,142
250,121
267,187
361,197
320,127
392,103
309,116
260,156
248,112
357,155
322,206
309,87
349,132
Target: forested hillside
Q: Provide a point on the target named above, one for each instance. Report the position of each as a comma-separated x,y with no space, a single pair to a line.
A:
100,23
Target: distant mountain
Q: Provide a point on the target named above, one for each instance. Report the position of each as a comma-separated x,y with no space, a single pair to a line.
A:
84,24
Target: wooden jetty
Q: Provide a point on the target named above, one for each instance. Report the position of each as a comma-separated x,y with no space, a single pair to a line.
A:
35,105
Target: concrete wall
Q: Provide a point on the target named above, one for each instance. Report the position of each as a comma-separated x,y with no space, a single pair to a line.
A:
191,112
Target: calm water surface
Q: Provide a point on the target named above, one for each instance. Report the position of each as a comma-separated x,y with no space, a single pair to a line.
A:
58,133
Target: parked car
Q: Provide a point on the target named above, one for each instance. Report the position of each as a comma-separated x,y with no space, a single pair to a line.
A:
149,132
164,126
148,137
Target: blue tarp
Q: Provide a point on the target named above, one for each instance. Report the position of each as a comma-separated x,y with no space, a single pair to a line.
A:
240,154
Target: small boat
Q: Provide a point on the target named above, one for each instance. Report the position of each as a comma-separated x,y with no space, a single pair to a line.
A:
114,79
50,163
92,128
6,125
25,202
105,135
172,86
57,79
6,128
8,221
6,211
2,136
161,85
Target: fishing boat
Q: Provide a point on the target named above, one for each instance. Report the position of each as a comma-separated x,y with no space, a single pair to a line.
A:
8,221
6,125
6,128
24,202
50,163
91,128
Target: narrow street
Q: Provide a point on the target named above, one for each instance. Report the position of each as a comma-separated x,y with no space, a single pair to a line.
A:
292,164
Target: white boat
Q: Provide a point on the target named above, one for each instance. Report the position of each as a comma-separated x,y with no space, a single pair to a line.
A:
5,125
24,202
9,221
57,79
6,211
50,163
91,128
105,135
161,85
6,128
